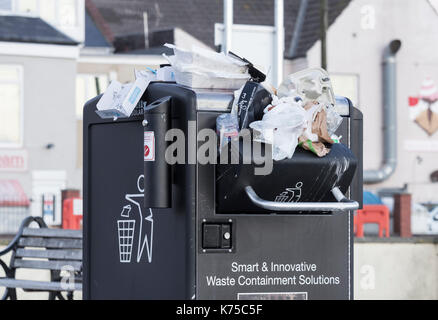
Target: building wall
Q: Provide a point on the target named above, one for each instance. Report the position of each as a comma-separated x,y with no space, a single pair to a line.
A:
355,44
49,117
406,271
123,72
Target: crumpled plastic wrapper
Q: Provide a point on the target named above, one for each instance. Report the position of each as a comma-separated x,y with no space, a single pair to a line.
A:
282,124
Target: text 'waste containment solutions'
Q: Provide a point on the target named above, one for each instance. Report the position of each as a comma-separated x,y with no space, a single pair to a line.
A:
155,230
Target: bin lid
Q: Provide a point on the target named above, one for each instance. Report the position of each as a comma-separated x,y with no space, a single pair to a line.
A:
12,194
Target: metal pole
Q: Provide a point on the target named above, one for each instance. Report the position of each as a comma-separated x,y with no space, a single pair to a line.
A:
279,42
297,28
324,26
228,25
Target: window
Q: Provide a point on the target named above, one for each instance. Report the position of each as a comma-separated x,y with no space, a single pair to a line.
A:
11,113
28,6
346,85
67,13
5,5
48,10
61,13
88,86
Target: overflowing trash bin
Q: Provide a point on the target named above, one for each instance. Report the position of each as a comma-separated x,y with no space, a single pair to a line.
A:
168,216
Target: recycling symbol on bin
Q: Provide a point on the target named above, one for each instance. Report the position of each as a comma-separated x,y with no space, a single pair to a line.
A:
133,226
290,194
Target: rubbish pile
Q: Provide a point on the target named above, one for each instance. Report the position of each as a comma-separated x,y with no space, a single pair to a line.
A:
300,113
196,68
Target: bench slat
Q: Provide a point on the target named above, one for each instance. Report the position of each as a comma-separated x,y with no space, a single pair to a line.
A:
72,254
38,285
52,233
50,265
56,243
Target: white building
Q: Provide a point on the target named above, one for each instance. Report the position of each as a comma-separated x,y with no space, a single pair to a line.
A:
356,41
51,62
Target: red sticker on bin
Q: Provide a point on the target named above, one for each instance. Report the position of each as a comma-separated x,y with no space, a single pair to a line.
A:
149,146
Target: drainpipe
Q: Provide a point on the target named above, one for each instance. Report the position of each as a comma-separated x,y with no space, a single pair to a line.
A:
389,117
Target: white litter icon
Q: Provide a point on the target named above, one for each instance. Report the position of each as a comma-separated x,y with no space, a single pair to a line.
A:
126,239
126,210
126,227
290,194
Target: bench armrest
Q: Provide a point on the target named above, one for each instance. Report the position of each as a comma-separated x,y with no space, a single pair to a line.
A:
25,223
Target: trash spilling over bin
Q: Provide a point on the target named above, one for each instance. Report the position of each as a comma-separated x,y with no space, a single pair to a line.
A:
303,115
169,216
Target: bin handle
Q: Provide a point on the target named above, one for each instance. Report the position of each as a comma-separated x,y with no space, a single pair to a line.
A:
343,203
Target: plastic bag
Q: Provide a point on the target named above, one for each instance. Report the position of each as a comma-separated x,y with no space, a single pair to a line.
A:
310,84
281,126
334,120
314,88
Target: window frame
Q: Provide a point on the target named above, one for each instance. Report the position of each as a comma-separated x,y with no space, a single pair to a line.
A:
20,83
352,74
57,23
3,11
84,75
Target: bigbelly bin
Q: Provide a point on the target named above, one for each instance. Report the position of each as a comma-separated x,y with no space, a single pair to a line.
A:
154,230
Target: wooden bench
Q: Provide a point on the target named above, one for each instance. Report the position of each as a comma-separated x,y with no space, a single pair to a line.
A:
57,250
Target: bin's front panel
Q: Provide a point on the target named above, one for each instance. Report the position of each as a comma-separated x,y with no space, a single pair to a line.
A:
130,251
301,256
295,257
134,252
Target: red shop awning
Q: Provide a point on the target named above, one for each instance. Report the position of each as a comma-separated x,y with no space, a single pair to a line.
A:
12,194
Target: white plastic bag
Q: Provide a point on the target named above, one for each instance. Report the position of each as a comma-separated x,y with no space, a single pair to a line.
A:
310,117
313,85
334,120
281,126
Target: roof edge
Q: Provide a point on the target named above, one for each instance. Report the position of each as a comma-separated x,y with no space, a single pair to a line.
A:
100,22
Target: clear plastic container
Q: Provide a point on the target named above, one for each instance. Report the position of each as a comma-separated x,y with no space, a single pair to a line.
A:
210,60
227,128
200,80
310,84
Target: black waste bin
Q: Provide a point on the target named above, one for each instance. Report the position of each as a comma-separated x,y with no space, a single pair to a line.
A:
204,231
